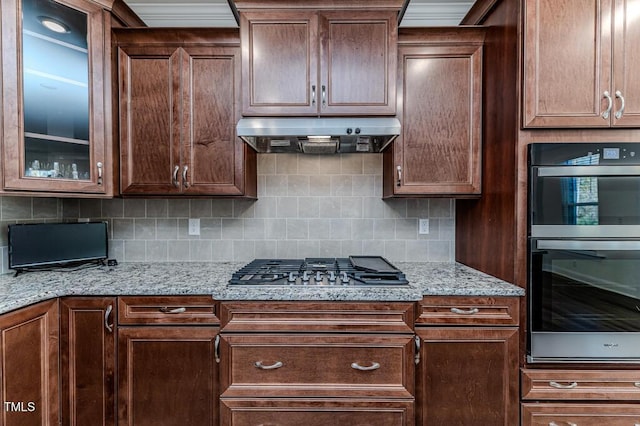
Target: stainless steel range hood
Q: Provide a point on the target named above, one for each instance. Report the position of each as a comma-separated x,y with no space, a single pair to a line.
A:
319,135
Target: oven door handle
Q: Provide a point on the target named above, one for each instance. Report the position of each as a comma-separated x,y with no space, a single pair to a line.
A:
621,245
563,171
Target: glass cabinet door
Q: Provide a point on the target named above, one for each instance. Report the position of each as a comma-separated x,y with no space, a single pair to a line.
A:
60,136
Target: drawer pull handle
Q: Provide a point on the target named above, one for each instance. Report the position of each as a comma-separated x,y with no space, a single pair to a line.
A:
107,313
606,95
637,384
216,348
562,386
273,366
373,366
166,310
472,311
568,424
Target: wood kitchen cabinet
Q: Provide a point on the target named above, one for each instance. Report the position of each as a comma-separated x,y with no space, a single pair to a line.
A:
29,377
468,370
88,360
581,61
439,106
56,91
167,369
179,104
295,363
319,62
580,396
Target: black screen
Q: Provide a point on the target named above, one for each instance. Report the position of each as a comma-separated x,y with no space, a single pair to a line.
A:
52,244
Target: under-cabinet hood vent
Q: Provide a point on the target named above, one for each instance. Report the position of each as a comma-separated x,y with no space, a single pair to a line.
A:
319,135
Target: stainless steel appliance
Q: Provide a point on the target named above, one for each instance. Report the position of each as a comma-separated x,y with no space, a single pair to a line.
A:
352,271
584,252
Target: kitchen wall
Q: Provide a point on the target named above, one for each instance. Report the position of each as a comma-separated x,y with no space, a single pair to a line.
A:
307,206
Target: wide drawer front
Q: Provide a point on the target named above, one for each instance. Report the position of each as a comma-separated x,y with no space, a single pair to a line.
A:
317,365
546,414
376,317
307,412
166,310
580,384
464,310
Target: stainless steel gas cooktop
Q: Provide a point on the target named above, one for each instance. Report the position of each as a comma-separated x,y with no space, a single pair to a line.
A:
351,271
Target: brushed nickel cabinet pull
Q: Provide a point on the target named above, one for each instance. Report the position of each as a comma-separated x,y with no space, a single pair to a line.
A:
373,366
107,313
99,165
568,424
324,96
399,170
563,386
636,384
620,112
216,348
313,94
417,341
273,366
166,310
185,181
176,169
458,311
607,112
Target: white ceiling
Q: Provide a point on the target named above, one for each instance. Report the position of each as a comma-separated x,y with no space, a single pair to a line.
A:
216,13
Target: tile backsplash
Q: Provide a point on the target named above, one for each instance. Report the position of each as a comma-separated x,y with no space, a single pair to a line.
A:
307,206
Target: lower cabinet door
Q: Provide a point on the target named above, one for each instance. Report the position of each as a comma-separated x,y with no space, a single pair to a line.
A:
316,412
88,354
580,414
167,376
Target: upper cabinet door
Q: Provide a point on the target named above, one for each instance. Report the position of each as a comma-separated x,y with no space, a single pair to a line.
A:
318,63
56,92
626,64
358,57
280,63
567,63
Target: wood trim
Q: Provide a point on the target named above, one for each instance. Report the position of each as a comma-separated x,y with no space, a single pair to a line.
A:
488,310
182,310
478,12
125,15
178,37
243,5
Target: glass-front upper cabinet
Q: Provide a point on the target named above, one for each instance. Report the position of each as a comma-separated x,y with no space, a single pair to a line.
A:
56,95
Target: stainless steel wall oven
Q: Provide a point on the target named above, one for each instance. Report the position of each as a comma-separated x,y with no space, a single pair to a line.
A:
584,252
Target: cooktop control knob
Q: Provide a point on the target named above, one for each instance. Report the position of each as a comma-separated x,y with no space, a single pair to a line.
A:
305,277
349,130
344,278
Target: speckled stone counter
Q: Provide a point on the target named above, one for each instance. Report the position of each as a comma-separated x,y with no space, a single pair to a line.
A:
212,279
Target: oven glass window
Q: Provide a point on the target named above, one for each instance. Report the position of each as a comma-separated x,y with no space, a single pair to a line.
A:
590,290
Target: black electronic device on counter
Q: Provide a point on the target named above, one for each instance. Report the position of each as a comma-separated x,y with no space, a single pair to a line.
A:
39,245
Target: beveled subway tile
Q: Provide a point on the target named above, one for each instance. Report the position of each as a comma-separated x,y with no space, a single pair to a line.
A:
232,229
351,164
222,208
418,208
244,208
157,251
447,229
275,229
341,185
372,164
297,229
222,251
167,229
265,207
200,208
135,250
298,185
372,207
178,208
320,185
116,250
331,165
244,250
329,207
254,229
201,250
441,207
211,228
156,208
70,208
351,207
132,208
373,247
340,229
266,164
183,230
308,207
179,250
395,209
276,185
90,208
308,248
287,207
286,164
113,208
439,251
362,229
144,229
395,251
417,251
287,249
123,229
45,208
310,164
266,249
319,229
406,229
364,185
351,248
384,229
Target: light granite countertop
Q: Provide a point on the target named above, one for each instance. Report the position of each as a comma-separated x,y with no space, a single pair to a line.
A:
192,278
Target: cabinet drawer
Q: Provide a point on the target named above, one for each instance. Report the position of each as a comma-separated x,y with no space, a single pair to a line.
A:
166,310
317,365
580,385
377,317
469,310
547,414
282,412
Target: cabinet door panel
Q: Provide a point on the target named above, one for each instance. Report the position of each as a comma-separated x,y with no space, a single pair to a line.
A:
359,63
211,150
149,119
567,63
439,148
280,57
542,414
30,358
626,63
88,360
468,376
167,376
